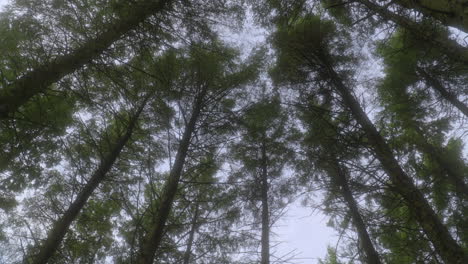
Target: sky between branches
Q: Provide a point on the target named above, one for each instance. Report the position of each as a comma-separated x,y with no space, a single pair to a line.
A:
301,235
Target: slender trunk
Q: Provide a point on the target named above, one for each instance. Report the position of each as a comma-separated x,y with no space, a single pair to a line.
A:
151,242
450,97
450,47
265,254
449,13
193,230
60,228
339,178
437,233
37,80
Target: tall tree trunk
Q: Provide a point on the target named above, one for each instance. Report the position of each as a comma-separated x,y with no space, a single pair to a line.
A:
450,47
37,80
437,233
450,97
193,230
151,242
339,179
60,228
265,251
449,13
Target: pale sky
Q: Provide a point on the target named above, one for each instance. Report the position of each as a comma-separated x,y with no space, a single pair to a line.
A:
299,230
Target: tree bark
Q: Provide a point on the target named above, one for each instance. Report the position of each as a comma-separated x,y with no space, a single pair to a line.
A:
60,228
37,80
448,12
340,180
450,47
151,242
193,230
265,241
450,97
432,226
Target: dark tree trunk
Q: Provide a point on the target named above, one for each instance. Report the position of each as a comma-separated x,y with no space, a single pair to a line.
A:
265,251
60,228
151,242
37,80
449,13
450,47
450,97
420,209
339,179
193,230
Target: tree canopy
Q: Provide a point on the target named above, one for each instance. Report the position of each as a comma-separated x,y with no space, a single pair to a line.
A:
153,131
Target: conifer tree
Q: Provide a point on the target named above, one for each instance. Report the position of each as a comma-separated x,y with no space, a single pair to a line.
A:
305,46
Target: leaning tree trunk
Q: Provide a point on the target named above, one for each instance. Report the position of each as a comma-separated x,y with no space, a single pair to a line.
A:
37,80
339,179
420,209
151,242
265,241
450,97
449,13
450,47
60,228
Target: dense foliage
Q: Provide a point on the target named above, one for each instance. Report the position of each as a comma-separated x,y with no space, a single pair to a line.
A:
144,132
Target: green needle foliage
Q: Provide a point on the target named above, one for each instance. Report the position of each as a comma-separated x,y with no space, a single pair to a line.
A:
181,131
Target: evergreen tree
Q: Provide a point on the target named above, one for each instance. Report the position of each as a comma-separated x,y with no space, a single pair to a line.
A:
304,47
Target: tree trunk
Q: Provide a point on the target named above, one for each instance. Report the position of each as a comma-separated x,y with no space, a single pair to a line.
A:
193,230
450,47
151,242
420,209
265,251
37,80
450,97
339,179
449,13
60,228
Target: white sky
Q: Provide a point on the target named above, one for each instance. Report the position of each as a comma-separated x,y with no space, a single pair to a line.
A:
299,230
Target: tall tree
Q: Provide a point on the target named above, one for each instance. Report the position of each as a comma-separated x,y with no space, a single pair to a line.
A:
306,45
263,153
208,73
37,80
56,234
323,143
395,93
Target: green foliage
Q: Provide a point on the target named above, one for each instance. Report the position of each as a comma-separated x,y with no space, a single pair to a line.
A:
298,130
331,257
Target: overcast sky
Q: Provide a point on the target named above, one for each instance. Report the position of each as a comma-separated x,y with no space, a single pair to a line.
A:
299,230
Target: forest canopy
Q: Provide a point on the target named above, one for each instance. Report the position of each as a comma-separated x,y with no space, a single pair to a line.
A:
154,131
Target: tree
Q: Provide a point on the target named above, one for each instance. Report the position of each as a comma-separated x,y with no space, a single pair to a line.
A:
35,81
448,13
407,109
305,45
323,143
214,76
263,154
